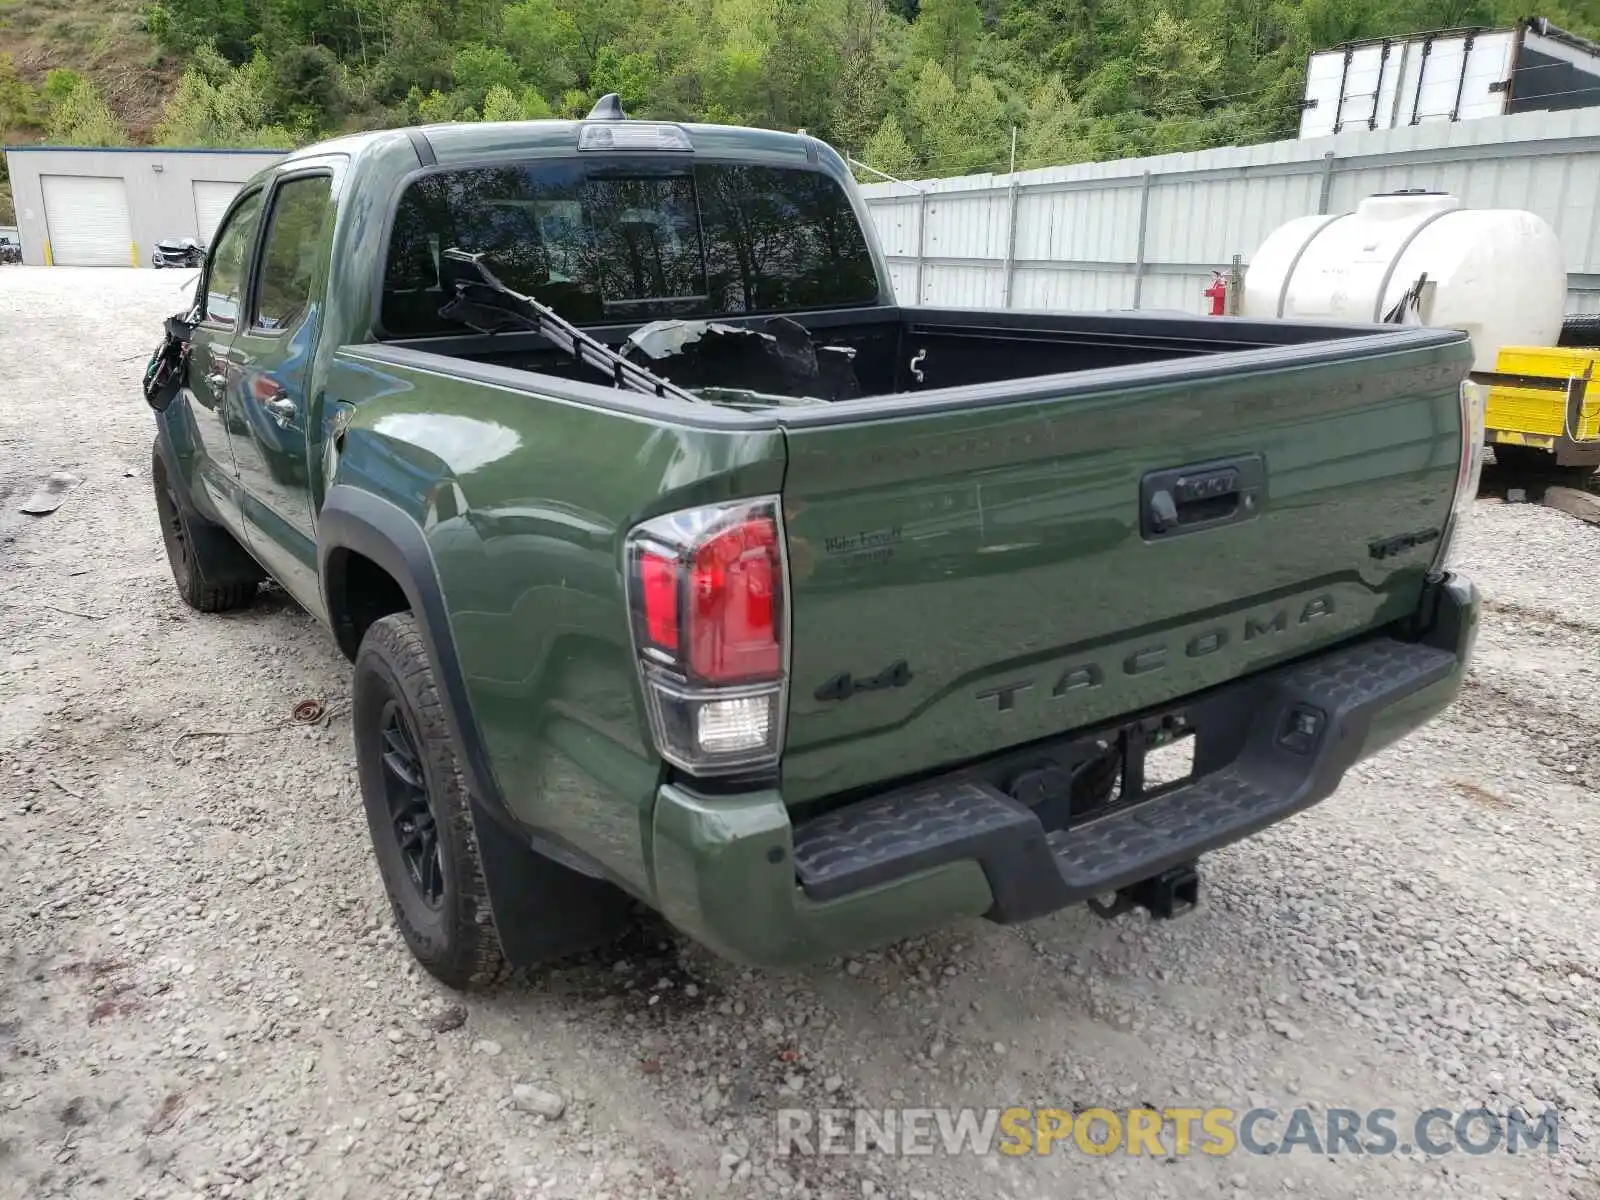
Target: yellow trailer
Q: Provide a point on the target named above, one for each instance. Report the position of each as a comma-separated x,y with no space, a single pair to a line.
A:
1545,401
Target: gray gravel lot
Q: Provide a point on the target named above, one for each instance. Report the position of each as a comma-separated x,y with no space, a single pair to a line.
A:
201,994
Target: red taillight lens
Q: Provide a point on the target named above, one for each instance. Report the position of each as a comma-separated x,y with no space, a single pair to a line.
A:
658,590
733,630
707,591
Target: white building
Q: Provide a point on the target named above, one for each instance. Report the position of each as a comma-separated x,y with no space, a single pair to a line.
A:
81,206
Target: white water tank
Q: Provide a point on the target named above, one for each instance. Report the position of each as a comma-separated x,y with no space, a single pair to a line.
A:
1498,274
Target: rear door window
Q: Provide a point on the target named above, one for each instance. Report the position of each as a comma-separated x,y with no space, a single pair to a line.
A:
621,243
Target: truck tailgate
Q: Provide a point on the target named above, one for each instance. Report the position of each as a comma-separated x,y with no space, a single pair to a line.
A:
970,576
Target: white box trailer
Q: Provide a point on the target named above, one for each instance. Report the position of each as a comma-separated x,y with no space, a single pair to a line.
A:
1451,75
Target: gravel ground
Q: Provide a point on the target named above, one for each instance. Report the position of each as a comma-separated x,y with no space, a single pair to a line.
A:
201,994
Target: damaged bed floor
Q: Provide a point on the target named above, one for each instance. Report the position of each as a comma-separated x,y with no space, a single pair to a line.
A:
201,994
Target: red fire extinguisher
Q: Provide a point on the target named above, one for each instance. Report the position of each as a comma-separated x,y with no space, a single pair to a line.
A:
1217,293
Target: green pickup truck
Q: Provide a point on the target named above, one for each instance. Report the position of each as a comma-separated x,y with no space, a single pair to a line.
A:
678,563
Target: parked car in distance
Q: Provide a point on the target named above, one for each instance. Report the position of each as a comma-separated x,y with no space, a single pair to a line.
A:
679,563
178,252
10,246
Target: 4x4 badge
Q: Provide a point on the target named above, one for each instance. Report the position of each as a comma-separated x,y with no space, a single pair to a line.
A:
843,686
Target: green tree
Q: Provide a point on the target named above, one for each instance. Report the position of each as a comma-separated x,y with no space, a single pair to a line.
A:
597,24
19,103
543,39
857,105
503,104
575,102
436,107
306,89
77,115
859,95
416,55
946,32
1176,66
959,129
224,107
1323,23
182,25
890,151
19,109
60,85
479,67
802,63
630,76
1053,35
1051,132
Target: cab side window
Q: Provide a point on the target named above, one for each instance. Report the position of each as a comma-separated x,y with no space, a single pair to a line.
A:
299,233
230,264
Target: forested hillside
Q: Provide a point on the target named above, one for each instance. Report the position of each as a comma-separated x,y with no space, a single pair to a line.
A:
934,87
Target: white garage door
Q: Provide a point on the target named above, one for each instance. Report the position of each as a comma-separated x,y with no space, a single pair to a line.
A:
88,221
211,200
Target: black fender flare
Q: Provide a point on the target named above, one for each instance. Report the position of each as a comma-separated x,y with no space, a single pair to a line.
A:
528,881
177,450
357,521
172,459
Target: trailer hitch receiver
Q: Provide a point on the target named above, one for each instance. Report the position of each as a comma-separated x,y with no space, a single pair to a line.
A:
1173,892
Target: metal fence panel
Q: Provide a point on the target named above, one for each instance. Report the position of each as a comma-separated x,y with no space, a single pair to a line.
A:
1147,233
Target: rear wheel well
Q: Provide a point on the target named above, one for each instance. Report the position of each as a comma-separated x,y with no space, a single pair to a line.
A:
359,593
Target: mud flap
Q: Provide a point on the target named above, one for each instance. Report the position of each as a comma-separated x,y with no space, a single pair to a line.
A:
542,909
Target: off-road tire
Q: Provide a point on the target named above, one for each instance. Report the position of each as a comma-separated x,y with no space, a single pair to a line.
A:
191,542
454,939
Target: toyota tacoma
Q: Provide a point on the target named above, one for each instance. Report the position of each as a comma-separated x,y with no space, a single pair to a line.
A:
678,563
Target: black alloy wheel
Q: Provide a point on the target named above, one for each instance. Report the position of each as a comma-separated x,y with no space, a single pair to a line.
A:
405,790
417,809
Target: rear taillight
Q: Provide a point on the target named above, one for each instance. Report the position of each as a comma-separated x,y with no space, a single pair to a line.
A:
709,599
1469,471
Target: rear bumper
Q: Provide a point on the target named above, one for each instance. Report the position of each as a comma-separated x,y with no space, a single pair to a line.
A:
733,872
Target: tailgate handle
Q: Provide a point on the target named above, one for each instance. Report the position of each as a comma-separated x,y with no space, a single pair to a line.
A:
1203,496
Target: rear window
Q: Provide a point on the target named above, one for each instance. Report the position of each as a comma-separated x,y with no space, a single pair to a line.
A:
601,243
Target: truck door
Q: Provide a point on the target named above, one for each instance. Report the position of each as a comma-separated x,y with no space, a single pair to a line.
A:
273,355
214,404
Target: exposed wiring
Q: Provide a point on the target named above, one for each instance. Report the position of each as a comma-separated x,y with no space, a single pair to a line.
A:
304,714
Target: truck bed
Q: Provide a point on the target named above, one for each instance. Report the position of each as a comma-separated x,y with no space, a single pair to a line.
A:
996,529
965,347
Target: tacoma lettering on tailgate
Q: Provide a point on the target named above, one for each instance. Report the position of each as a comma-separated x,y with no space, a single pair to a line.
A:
1147,660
